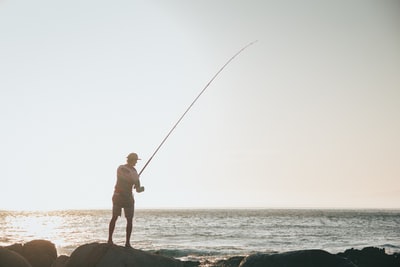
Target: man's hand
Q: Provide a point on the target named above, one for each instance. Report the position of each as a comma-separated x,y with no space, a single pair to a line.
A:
140,189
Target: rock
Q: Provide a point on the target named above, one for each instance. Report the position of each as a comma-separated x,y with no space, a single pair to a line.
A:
42,253
9,258
231,262
39,253
16,248
105,255
61,261
191,263
371,257
301,258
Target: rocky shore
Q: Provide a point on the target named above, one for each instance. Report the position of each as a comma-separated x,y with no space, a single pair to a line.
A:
42,253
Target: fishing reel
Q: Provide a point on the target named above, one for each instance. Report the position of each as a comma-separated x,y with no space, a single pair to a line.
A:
140,189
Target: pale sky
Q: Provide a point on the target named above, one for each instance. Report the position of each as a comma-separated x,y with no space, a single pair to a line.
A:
309,116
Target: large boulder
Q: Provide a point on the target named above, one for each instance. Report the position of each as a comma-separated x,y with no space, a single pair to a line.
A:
105,255
9,258
39,253
16,248
371,257
301,258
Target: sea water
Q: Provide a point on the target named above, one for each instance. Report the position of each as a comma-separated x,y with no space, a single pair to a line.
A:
210,234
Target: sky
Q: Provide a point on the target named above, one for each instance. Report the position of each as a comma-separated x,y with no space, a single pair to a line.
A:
307,117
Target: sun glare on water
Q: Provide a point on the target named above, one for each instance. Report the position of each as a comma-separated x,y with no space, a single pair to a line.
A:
36,225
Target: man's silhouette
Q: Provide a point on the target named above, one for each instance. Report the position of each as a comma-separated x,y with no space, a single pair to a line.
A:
127,177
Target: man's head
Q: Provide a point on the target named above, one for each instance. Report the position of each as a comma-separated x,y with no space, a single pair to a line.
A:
132,158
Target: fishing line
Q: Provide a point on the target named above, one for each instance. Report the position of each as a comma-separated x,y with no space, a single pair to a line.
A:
194,101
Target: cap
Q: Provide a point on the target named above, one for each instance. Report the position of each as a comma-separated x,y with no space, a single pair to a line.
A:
132,156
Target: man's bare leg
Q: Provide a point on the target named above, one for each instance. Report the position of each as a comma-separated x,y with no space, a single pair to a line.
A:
128,232
111,229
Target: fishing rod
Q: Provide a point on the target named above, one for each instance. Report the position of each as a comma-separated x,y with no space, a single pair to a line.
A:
194,101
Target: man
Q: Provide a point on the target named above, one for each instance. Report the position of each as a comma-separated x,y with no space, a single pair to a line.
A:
127,177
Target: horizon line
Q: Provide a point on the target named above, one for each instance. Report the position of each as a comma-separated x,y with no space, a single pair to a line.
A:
209,208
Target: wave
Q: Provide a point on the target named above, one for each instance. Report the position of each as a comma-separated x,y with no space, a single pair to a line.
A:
221,253
391,248
188,254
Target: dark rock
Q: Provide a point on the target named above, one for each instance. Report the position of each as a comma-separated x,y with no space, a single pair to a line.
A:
61,261
371,257
104,255
9,258
231,262
191,263
39,253
301,258
16,248
42,253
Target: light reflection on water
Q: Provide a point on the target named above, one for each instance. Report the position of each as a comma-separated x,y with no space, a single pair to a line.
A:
24,226
63,228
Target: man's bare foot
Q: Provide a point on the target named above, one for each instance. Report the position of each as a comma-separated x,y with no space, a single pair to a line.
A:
110,242
127,245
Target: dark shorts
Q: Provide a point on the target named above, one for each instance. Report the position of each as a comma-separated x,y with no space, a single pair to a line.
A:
123,201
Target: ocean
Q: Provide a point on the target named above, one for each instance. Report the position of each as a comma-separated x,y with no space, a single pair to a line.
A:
194,234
